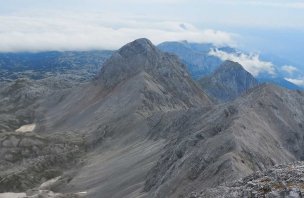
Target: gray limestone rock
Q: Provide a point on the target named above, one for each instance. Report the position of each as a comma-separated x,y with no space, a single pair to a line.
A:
228,82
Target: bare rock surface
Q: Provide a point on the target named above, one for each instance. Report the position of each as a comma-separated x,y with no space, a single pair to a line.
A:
228,82
279,181
27,160
118,116
144,128
229,141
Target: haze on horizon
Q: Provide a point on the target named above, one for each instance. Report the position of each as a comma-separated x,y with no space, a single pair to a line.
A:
270,27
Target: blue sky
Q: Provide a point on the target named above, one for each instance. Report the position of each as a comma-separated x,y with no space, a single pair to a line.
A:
266,26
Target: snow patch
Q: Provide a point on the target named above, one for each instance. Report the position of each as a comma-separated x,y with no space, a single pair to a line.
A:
26,128
12,195
49,183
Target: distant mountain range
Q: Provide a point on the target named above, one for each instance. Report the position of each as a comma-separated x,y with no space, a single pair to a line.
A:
83,66
78,65
195,56
201,63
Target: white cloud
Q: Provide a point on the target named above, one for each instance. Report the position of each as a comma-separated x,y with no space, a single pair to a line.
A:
149,2
289,69
288,4
267,3
299,82
251,63
83,31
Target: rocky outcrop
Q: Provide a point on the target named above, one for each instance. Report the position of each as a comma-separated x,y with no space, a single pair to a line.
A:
26,160
278,181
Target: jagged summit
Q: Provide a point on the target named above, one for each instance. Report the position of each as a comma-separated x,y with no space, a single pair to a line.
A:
139,46
230,65
228,82
129,60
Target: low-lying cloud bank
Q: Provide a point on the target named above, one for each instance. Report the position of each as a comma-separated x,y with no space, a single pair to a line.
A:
85,31
289,69
251,63
299,82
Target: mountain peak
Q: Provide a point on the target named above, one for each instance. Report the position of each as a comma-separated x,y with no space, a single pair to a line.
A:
138,46
228,82
132,58
142,41
142,57
230,65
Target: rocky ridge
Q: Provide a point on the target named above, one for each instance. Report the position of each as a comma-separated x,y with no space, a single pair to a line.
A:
215,145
